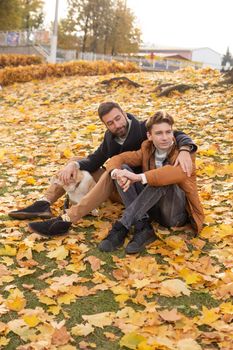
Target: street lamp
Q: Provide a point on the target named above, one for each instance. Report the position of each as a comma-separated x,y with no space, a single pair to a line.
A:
53,47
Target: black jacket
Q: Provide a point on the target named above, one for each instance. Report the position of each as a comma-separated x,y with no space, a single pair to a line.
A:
137,134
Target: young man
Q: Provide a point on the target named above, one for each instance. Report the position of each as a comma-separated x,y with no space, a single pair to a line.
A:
162,192
124,133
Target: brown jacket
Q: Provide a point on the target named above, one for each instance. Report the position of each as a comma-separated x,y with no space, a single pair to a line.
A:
166,175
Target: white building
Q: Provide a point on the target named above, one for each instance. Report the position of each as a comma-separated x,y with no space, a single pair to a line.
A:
207,56
204,55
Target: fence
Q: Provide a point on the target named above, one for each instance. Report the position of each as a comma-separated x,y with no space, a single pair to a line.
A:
145,64
21,38
22,41
32,42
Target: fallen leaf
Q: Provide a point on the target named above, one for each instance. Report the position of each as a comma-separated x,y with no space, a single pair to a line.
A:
60,336
173,287
170,315
132,340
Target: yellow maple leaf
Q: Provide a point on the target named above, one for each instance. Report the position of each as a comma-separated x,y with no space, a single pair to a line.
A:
31,320
208,316
175,242
190,276
225,230
16,301
119,290
30,180
8,250
82,329
66,299
80,266
227,308
141,283
7,279
122,298
46,300
207,231
60,253
54,309
99,320
67,153
4,341
91,127
209,170
208,152
132,340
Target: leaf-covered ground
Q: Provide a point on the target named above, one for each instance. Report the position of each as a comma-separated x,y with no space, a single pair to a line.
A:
63,293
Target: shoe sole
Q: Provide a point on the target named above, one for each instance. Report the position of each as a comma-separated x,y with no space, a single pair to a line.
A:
151,240
24,216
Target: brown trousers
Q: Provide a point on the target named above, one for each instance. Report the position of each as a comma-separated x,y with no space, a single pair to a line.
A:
103,190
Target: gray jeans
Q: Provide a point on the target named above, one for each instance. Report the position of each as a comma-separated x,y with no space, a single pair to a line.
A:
164,204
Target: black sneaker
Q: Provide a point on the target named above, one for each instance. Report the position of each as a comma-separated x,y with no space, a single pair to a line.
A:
50,228
143,235
115,238
39,209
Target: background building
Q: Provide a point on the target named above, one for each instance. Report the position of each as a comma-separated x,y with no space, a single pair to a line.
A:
204,55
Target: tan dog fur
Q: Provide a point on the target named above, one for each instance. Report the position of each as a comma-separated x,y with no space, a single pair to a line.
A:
78,187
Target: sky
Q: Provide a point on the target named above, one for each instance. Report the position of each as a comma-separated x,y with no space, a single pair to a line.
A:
177,23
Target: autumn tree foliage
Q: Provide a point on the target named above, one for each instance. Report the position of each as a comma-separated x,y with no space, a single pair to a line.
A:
32,14
227,59
9,15
21,14
100,26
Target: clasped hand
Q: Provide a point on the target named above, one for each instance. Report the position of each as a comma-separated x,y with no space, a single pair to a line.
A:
125,178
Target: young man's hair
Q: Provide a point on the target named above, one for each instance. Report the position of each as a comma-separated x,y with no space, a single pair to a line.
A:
158,118
106,107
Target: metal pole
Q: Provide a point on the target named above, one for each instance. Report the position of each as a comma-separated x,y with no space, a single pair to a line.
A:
53,47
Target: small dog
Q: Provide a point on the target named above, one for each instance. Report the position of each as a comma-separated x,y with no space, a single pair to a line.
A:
78,187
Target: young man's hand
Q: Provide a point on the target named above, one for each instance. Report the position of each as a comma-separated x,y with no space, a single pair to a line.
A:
185,161
125,178
68,173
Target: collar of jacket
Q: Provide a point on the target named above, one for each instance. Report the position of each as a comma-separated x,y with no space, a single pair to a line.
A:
149,147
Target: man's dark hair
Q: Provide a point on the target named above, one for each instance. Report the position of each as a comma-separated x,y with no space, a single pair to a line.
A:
106,107
158,118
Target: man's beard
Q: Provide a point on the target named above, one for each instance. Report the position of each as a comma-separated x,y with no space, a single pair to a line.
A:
122,132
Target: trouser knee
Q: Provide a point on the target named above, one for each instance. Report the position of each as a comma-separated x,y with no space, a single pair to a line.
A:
127,167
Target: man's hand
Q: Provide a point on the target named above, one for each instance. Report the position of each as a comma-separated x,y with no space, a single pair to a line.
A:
125,178
185,161
68,173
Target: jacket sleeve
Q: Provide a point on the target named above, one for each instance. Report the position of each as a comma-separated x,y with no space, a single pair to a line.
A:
168,175
94,160
184,140
133,158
